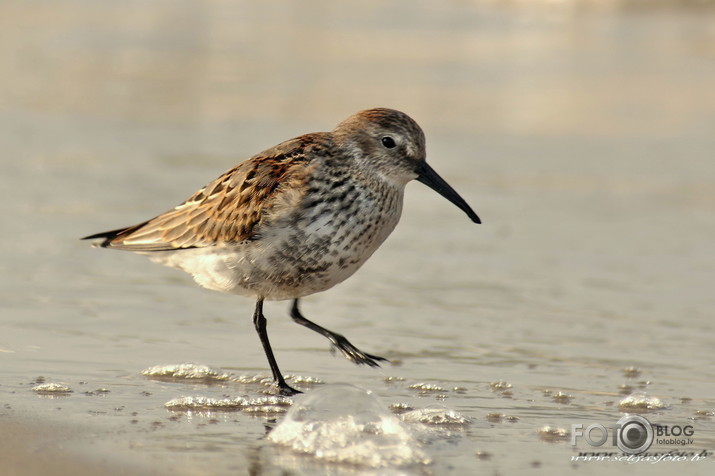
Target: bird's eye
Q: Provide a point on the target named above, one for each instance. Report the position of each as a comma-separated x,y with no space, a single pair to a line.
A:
388,142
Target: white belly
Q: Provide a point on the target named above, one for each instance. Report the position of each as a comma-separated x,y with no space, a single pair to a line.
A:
289,260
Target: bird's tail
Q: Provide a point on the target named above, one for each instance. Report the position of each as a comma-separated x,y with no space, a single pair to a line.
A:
111,237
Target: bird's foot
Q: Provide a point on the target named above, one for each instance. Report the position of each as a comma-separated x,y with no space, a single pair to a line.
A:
353,354
286,390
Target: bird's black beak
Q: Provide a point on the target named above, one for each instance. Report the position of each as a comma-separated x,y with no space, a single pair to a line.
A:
429,177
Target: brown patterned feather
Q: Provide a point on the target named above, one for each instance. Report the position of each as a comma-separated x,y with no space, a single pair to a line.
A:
232,208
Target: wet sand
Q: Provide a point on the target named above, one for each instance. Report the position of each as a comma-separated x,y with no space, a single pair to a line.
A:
581,133
44,447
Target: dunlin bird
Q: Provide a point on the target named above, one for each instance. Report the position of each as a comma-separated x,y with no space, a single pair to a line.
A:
296,219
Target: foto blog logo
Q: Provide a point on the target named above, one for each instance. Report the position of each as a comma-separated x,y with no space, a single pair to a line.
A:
632,434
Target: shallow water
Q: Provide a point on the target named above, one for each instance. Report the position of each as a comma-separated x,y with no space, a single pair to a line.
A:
581,133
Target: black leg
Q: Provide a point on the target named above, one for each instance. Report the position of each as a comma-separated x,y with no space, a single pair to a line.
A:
350,352
259,321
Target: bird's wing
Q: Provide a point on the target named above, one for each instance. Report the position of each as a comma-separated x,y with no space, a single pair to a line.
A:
232,208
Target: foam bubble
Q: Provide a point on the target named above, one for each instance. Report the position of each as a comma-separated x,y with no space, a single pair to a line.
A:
346,424
640,402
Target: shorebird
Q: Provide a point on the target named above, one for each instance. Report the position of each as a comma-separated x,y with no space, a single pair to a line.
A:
295,219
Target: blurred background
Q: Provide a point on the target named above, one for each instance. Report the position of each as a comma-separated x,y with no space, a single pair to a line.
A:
581,132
